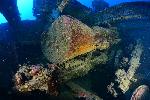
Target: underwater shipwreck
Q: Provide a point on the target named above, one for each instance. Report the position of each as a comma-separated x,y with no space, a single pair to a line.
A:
72,52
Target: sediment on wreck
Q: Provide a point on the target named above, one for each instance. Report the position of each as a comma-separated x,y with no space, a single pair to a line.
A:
67,45
124,11
72,45
69,37
126,77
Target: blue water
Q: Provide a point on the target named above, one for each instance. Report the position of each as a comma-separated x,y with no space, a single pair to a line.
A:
129,30
25,7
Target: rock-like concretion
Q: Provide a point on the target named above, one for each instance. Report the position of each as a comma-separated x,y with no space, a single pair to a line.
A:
141,93
68,38
35,77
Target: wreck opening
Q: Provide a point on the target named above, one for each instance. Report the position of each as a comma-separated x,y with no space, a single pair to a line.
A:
25,10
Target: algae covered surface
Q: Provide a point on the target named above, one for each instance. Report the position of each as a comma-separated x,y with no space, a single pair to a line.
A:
80,53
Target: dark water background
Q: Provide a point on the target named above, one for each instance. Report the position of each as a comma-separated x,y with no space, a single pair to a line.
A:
12,54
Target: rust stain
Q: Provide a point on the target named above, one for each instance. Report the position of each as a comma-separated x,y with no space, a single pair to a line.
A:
80,43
